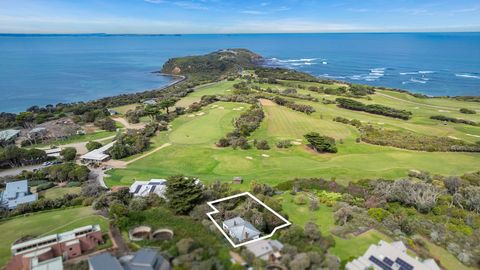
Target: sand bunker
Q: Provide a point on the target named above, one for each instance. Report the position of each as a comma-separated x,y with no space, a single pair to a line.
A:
248,157
265,155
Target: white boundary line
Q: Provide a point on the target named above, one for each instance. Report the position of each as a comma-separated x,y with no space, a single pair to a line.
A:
209,214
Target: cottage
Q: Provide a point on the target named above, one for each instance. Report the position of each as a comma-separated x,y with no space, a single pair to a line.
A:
240,229
16,193
8,136
267,250
390,256
143,188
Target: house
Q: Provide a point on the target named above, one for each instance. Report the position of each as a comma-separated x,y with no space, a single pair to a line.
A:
240,229
8,136
16,193
65,245
144,259
112,112
150,102
267,250
97,155
390,256
237,180
143,188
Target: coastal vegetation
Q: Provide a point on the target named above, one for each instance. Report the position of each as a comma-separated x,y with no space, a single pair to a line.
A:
373,108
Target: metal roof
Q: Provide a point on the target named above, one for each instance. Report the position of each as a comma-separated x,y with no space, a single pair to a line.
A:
104,261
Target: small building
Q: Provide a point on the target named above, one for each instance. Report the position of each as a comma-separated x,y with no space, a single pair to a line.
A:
240,229
16,193
97,155
237,180
390,256
150,102
65,245
53,152
267,250
143,188
112,112
144,259
37,133
8,136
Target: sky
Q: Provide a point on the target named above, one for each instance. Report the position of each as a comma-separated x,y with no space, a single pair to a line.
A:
241,16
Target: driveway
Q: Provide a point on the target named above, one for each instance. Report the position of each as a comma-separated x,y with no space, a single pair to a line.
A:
17,171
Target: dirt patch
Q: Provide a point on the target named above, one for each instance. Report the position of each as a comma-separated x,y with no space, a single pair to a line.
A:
266,102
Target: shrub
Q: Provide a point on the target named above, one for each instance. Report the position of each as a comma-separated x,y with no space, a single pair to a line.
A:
453,120
45,186
92,145
467,111
321,143
300,199
379,214
284,144
262,145
68,153
373,108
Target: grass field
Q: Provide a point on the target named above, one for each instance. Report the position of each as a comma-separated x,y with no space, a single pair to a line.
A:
193,152
43,224
58,192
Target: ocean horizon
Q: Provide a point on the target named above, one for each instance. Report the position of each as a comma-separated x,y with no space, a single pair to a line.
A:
41,69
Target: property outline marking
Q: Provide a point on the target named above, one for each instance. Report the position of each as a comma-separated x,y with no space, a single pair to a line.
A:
215,211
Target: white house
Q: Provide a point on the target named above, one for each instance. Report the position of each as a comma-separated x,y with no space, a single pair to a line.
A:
240,229
390,256
267,250
16,193
143,188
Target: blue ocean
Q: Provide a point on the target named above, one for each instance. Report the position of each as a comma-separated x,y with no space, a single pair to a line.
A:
50,69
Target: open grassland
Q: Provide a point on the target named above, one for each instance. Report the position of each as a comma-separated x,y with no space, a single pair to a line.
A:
41,224
193,151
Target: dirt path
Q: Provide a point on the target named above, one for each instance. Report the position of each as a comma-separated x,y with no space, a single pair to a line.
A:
128,125
416,103
266,102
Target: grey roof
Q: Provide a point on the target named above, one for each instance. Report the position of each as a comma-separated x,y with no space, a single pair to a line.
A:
241,229
17,192
104,261
38,129
8,134
147,259
264,247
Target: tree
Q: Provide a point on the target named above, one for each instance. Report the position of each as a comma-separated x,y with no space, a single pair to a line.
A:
138,204
106,124
167,103
321,143
342,215
92,145
313,205
262,145
68,153
183,193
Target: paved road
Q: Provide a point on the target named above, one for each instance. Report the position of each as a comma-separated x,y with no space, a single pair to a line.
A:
98,174
17,171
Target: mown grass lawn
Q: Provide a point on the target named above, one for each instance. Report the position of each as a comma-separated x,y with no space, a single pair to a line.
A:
58,192
41,224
